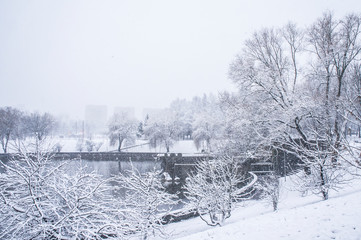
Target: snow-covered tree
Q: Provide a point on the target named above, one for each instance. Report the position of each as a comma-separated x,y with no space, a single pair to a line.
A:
146,201
10,119
207,128
269,102
185,114
79,145
335,45
90,144
321,173
40,200
293,105
39,125
163,130
140,130
122,128
215,187
269,188
57,147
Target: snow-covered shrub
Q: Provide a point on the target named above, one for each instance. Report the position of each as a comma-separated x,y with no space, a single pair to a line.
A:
164,130
89,145
146,201
79,145
269,187
215,188
320,176
98,145
39,200
57,147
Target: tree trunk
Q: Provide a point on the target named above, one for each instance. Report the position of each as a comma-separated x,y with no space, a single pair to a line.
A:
120,141
4,144
4,148
323,183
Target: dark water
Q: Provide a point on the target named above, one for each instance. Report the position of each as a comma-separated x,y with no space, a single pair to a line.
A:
105,168
110,168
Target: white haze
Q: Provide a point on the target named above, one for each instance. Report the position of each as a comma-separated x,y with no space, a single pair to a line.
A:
59,56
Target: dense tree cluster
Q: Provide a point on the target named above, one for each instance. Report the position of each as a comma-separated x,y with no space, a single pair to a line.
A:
199,119
17,125
298,90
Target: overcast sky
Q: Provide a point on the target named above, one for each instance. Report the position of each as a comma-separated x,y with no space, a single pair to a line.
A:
59,56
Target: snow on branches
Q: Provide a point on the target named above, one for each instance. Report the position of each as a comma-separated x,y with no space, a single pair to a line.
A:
215,187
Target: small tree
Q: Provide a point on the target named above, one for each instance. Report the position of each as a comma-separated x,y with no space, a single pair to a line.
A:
321,173
269,186
207,127
79,145
9,123
89,145
140,130
39,125
164,130
146,201
121,128
98,145
57,147
215,188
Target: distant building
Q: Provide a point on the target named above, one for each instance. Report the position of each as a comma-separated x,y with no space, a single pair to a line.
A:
96,117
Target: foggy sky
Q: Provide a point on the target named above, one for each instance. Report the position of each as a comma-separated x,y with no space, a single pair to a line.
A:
59,56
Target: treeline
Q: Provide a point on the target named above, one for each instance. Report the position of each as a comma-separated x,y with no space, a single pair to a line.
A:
16,125
200,119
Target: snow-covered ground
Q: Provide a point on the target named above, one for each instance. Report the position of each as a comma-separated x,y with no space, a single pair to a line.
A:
297,218
70,145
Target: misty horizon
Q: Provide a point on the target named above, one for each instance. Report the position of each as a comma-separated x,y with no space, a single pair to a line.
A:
58,57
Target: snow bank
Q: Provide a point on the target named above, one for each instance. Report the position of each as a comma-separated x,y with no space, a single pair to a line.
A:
298,218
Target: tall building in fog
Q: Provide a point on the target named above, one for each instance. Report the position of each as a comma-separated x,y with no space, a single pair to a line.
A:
96,117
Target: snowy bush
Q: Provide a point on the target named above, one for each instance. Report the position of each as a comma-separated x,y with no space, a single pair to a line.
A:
98,145
39,200
215,188
269,187
57,147
163,130
79,145
146,202
320,176
89,145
